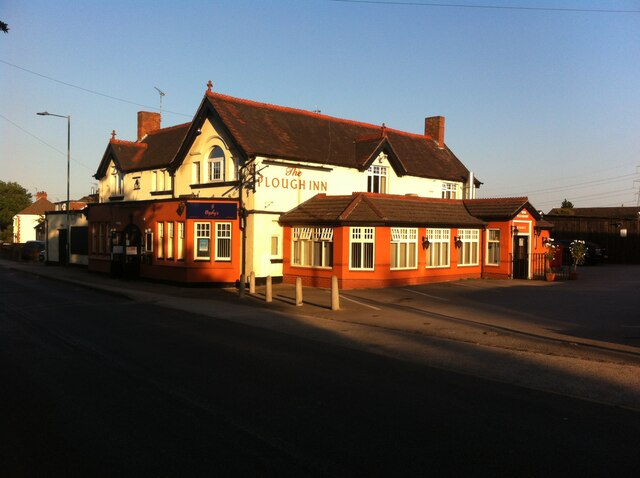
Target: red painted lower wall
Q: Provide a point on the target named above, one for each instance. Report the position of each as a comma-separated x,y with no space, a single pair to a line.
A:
151,264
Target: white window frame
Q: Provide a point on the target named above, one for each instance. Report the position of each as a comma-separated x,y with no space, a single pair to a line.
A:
117,182
202,235
170,232
362,248
180,248
160,246
196,173
223,241
404,248
493,248
377,179
439,250
449,190
312,247
216,166
468,254
275,246
154,181
148,241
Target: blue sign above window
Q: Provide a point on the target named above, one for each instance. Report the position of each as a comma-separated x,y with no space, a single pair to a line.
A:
212,210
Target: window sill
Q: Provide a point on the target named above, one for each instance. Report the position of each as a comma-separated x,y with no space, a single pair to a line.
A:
117,198
160,193
277,261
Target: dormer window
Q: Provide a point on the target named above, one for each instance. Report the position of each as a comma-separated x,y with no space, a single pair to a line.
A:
377,179
215,166
449,190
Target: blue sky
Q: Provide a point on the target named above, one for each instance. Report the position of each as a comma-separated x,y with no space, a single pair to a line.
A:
539,103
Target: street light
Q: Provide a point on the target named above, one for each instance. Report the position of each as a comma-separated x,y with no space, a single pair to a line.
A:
46,113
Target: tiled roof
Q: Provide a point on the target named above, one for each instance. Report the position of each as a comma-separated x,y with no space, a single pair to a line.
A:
381,209
261,129
39,207
499,208
597,212
154,151
267,130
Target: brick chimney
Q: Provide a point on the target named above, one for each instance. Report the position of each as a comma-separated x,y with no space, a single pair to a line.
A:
41,195
147,122
434,129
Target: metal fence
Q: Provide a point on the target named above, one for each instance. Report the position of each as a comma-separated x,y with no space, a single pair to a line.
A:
539,266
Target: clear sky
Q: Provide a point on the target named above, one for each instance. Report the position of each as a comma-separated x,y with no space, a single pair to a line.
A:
538,103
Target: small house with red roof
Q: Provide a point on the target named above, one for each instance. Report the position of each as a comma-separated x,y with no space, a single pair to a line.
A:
26,221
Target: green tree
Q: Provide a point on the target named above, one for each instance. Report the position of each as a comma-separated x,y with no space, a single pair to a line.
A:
13,199
566,204
4,27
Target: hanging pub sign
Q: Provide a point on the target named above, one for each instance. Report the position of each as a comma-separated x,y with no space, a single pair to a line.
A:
212,210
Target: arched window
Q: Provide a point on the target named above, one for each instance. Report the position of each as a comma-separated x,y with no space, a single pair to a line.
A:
216,166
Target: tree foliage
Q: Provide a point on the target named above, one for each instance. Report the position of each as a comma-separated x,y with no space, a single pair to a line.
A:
13,199
566,204
4,27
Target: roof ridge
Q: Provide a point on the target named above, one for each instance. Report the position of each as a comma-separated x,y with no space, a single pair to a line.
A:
289,109
498,199
168,128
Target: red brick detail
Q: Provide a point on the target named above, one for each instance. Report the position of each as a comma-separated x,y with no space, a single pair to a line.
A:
434,129
147,122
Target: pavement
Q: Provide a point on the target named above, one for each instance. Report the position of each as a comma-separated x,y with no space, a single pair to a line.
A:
451,332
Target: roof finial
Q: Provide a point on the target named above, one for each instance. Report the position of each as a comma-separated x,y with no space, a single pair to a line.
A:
209,86
384,130
113,135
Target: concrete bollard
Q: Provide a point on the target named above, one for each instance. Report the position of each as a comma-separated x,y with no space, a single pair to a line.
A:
252,282
335,294
243,285
298,291
268,294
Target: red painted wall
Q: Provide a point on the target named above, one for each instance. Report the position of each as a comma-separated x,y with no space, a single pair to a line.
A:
382,275
147,216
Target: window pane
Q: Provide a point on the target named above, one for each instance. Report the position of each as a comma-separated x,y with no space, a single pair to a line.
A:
356,249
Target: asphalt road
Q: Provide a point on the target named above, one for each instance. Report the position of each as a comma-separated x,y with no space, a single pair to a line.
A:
97,385
603,304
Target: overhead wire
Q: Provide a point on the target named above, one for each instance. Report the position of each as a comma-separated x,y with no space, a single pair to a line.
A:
488,7
87,90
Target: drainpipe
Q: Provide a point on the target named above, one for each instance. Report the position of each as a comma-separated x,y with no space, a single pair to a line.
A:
243,227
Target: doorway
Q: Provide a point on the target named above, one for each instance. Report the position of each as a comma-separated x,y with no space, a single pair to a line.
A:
521,257
63,243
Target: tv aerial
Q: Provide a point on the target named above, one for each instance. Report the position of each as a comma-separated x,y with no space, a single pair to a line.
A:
162,93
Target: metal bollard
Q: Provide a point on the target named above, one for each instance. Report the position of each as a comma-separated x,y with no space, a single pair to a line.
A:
252,282
335,294
268,294
298,291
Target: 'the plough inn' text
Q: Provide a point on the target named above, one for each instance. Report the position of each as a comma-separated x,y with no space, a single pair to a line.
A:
292,180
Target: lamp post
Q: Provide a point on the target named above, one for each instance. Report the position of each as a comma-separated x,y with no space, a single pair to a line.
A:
46,113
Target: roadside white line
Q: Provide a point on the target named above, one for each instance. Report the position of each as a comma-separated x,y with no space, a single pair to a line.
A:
360,303
427,295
